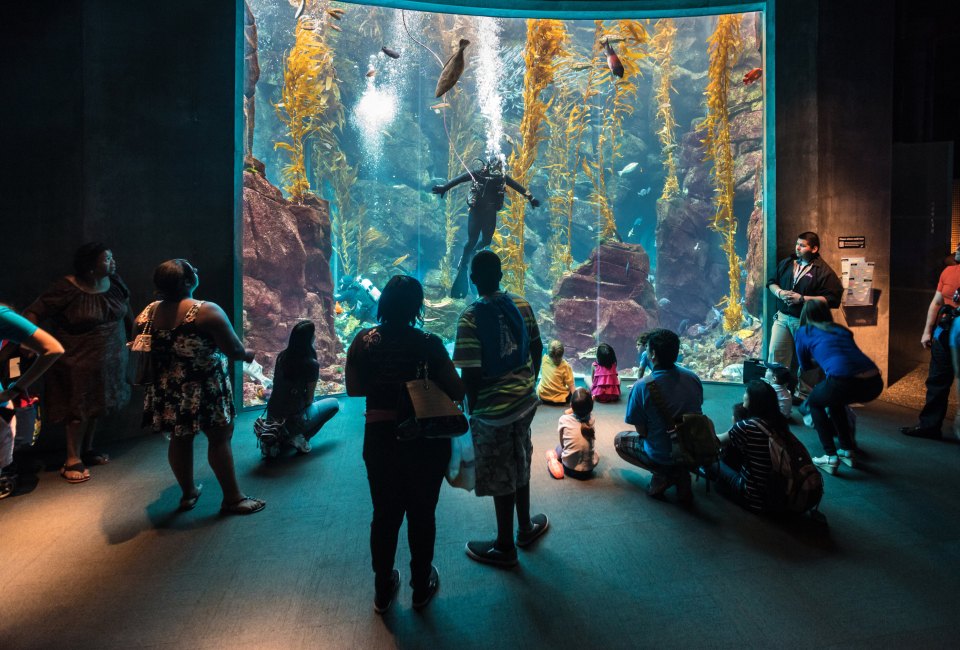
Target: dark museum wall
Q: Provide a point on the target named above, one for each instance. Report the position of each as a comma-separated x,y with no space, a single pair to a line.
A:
121,124
118,125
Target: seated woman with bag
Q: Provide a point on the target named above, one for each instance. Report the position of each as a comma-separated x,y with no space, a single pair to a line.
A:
293,417
745,465
404,476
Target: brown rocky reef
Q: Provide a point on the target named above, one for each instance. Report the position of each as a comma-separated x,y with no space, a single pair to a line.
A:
286,271
626,306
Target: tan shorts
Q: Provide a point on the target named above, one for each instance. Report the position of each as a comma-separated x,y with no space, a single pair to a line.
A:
503,455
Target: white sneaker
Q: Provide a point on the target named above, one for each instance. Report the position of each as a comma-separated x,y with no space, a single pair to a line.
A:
300,444
848,457
828,464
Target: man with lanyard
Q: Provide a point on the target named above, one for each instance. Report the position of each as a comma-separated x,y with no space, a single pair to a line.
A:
798,278
499,350
935,338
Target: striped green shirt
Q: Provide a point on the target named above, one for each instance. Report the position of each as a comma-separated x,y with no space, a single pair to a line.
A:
502,399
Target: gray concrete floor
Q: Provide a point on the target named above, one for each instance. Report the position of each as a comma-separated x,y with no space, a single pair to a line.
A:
108,564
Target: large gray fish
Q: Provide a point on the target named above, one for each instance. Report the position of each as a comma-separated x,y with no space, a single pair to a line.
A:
452,69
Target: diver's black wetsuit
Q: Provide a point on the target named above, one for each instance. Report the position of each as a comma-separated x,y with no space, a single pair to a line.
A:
485,200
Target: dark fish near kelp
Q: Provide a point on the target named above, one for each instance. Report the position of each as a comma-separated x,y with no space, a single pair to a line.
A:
613,61
452,70
393,54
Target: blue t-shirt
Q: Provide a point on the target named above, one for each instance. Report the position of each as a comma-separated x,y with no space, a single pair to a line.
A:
683,393
833,349
14,327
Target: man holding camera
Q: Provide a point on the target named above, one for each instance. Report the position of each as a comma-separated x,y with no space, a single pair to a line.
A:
799,278
935,338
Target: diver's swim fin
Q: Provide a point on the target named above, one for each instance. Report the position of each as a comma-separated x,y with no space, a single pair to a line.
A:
460,283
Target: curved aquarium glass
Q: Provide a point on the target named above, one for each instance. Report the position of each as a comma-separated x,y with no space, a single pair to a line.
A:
616,166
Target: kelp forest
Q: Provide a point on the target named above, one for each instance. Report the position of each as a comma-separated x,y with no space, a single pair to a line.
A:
384,141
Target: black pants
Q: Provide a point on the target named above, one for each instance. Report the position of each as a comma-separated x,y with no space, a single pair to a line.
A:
939,381
405,479
836,393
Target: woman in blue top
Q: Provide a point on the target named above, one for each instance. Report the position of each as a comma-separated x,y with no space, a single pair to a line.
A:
850,377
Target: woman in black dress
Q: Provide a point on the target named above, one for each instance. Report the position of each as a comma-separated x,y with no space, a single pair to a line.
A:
295,378
89,313
405,477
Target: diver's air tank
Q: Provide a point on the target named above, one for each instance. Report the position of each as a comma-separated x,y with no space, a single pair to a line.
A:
371,290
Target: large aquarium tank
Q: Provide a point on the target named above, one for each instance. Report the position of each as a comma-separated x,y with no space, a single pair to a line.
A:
617,167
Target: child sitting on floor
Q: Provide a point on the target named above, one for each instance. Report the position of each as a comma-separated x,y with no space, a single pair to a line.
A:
779,377
643,359
576,455
605,382
556,377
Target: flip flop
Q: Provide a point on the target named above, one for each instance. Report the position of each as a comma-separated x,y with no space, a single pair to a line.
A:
95,457
245,506
190,502
77,468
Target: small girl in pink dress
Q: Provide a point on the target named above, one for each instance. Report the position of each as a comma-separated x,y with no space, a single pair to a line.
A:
605,382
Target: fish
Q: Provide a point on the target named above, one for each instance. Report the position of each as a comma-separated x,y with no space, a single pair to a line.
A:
720,341
696,247
629,168
337,308
663,303
670,148
400,260
371,72
398,186
393,54
684,324
686,191
452,70
613,61
300,10
644,191
437,107
752,76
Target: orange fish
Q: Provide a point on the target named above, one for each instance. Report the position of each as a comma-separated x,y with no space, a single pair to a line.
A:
337,308
613,61
752,76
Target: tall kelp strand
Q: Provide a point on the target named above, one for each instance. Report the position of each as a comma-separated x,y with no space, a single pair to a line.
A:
308,88
724,47
630,35
545,43
661,49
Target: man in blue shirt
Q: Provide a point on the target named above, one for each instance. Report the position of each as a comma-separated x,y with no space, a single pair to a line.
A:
649,445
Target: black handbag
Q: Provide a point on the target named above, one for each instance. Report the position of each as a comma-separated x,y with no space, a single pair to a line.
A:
140,367
425,411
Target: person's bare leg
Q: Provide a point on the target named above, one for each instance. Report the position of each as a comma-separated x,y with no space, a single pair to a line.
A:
180,457
220,457
86,445
75,429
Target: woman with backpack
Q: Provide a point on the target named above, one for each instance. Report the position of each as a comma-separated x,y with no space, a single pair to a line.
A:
850,377
745,464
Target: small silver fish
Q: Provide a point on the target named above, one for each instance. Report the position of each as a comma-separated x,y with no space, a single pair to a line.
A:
663,302
644,191
628,169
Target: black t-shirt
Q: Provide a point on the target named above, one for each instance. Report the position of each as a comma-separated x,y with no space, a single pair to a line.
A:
382,358
291,378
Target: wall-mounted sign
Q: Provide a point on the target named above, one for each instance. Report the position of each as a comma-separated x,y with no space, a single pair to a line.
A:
852,242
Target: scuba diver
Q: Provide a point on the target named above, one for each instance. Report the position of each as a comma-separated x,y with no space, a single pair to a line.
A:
362,294
486,197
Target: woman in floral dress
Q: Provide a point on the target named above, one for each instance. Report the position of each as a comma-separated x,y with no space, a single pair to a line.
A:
192,343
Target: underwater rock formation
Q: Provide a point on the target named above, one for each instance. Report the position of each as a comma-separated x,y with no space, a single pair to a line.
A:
626,308
286,272
691,267
755,284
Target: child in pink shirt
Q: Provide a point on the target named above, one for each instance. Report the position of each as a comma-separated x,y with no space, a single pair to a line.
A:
605,382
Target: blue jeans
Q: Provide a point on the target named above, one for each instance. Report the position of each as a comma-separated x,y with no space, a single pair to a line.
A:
312,418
